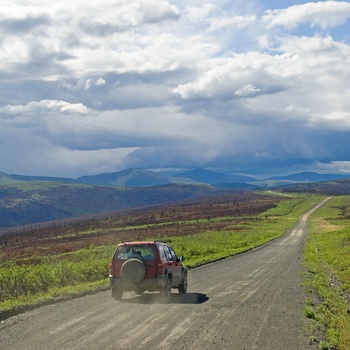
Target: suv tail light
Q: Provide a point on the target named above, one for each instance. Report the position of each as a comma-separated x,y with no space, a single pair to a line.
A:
110,269
160,268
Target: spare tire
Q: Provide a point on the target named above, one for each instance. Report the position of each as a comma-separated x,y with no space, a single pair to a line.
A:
133,271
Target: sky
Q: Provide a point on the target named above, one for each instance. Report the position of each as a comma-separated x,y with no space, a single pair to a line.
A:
244,86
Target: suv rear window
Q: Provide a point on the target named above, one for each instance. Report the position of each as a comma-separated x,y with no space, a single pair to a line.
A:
144,252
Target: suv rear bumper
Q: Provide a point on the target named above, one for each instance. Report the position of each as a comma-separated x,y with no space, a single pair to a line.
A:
151,284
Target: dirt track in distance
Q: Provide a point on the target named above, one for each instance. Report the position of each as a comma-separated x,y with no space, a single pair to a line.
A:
251,301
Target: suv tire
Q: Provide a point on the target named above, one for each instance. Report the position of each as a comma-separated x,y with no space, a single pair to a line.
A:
166,291
117,293
182,288
133,270
139,291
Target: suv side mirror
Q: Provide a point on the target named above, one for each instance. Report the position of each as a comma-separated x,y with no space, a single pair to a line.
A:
182,258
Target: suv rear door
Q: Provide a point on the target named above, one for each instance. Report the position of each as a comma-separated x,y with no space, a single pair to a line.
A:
144,252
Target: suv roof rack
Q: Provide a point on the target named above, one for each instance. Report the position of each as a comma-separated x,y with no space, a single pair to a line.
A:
158,241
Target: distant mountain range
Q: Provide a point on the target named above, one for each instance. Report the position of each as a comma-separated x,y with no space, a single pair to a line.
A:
139,177
33,199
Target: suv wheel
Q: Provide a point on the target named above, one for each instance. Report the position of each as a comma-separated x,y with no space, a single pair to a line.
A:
117,293
139,291
182,288
133,270
166,291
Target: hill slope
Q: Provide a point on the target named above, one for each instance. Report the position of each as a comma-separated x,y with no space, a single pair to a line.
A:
211,177
30,202
6,179
309,177
127,177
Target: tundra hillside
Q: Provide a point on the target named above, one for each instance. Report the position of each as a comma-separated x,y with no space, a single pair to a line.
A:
30,202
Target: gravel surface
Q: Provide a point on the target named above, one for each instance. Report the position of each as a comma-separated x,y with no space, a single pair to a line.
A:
251,301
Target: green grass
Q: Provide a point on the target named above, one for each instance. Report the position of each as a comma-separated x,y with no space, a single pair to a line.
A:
328,262
81,270
213,245
50,277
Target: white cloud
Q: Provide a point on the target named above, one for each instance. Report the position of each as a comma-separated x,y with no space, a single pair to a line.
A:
78,36
46,106
235,21
293,78
324,14
225,77
247,90
96,82
321,48
199,14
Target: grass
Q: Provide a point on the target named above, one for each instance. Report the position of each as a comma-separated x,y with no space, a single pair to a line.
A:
53,277
328,262
44,278
213,245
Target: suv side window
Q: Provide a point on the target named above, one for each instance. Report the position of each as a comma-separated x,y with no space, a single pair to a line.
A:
162,254
169,253
173,254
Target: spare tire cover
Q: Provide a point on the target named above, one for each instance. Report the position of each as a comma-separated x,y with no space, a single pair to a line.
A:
133,270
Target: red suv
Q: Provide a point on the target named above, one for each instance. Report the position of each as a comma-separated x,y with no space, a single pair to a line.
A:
141,266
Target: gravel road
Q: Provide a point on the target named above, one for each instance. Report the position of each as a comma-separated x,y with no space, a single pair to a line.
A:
251,301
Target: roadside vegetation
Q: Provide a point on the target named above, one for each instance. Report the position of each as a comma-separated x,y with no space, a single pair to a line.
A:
44,264
236,238
328,263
